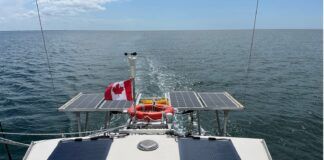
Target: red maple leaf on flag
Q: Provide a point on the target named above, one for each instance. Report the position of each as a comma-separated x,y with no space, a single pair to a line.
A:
117,89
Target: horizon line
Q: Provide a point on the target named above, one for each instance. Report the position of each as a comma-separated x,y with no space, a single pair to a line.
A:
130,30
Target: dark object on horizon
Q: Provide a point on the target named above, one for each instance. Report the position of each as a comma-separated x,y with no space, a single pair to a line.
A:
133,54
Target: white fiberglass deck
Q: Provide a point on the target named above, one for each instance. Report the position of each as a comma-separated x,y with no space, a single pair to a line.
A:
126,148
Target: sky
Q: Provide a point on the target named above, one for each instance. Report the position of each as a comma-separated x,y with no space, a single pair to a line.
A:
160,14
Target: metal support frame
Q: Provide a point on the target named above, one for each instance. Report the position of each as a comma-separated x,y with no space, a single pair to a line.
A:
191,122
107,120
133,95
132,64
86,121
79,122
198,119
163,118
225,122
218,124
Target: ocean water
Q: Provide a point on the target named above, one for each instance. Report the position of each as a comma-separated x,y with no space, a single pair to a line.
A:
283,97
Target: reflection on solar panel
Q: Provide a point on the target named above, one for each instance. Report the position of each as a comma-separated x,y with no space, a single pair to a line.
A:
185,100
219,101
83,102
115,105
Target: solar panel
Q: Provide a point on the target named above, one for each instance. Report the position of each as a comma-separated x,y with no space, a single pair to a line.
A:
82,150
204,149
115,105
219,101
185,100
83,102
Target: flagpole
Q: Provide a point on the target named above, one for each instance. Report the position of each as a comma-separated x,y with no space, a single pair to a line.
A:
132,64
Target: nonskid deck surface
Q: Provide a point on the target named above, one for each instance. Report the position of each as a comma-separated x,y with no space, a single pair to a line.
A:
169,147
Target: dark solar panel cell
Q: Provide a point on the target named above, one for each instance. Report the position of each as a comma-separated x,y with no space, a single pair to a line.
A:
185,100
211,100
116,105
94,102
218,101
225,100
85,101
204,149
82,150
192,98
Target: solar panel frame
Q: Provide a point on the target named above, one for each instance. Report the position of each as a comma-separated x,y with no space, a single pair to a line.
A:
224,101
83,103
181,99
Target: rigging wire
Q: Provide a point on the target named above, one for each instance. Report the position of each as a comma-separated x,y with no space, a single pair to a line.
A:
44,44
15,143
63,134
250,52
11,142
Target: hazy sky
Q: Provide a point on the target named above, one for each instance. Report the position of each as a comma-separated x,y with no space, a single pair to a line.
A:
159,14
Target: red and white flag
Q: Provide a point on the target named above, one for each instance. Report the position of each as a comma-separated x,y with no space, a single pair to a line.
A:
119,91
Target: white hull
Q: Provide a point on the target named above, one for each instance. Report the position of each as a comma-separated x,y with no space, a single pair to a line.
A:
125,148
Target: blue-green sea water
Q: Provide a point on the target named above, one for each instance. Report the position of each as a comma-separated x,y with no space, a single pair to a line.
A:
283,97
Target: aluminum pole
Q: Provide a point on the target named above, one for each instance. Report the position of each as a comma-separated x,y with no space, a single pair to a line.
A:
225,122
86,121
132,64
107,120
198,119
218,124
79,123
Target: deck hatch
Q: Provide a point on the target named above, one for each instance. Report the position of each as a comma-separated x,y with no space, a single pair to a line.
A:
204,149
81,150
185,100
219,101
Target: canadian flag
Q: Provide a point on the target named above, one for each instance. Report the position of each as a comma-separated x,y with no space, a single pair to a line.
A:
119,91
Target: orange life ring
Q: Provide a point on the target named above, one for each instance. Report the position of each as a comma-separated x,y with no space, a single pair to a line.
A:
150,111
